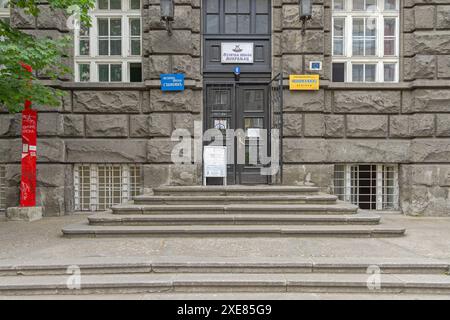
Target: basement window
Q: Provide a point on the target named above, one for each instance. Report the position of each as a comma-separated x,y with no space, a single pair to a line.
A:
369,186
2,187
98,187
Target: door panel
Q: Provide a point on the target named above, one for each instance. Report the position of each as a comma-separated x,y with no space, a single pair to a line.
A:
244,107
252,116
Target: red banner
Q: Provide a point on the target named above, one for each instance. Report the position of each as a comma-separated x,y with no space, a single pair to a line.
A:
29,138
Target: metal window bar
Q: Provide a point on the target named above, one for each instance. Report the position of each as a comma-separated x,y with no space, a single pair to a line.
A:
373,187
98,187
2,187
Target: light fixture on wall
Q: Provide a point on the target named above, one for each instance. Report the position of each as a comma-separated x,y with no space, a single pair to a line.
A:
305,12
167,13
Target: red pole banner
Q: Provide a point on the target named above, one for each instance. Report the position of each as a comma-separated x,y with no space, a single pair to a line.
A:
29,140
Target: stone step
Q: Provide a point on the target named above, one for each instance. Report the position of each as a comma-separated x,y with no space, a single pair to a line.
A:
86,230
268,265
235,190
236,199
231,219
338,208
219,282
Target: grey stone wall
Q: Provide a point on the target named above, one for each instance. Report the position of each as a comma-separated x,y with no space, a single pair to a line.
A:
112,123
405,123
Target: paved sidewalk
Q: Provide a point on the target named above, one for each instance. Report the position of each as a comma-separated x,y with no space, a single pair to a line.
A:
426,238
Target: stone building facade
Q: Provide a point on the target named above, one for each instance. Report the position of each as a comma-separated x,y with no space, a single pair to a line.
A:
404,123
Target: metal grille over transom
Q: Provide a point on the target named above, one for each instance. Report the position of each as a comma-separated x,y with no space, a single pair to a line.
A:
98,187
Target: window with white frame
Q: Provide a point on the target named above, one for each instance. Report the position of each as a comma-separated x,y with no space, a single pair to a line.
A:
2,187
110,49
4,10
100,186
365,40
370,186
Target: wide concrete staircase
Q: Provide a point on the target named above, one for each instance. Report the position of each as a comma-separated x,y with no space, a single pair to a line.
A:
171,275
245,211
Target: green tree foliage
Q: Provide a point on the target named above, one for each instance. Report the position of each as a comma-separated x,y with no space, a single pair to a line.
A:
42,54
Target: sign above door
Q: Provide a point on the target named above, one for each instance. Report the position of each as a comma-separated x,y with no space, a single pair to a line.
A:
237,52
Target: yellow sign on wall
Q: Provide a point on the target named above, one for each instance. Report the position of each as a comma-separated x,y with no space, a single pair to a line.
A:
304,82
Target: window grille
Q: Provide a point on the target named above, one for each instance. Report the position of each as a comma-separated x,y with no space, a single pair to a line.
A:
370,186
99,187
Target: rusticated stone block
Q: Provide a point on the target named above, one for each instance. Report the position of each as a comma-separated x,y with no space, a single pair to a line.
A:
139,126
73,125
427,100
179,42
297,101
50,150
53,175
158,65
408,20
421,125
325,65
314,125
424,17
277,19
420,67
187,65
443,69
160,150
292,124
292,64
366,126
399,126
304,150
351,101
417,125
10,125
368,150
427,43
155,175
321,175
160,124
106,151
49,18
21,20
183,175
185,121
334,125
443,125
293,41
184,101
49,124
443,17
5,150
434,150
291,17
52,200
106,101
107,125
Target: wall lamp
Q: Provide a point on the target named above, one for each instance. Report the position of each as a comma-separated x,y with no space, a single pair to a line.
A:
305,12
167,13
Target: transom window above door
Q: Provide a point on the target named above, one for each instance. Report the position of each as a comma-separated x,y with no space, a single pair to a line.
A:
110,50
237,16
365,45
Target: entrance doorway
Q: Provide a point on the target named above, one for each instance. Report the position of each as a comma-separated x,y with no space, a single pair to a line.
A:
244,108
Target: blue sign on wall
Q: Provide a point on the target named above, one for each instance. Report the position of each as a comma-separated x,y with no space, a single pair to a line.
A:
172,82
